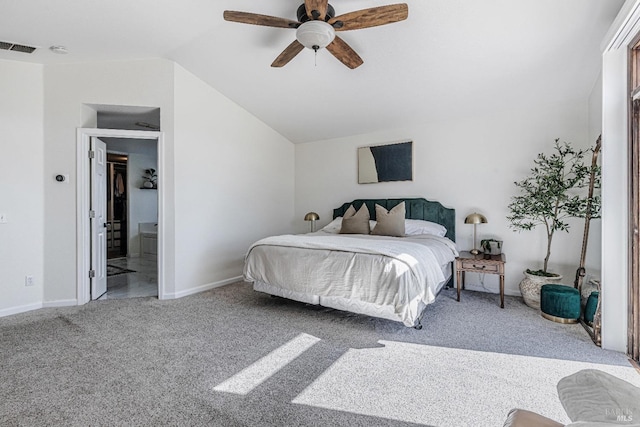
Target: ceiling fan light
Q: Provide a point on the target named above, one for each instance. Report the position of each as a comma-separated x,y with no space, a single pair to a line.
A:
315,34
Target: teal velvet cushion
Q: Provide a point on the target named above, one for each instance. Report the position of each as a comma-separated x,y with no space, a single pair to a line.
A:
590,308
560,301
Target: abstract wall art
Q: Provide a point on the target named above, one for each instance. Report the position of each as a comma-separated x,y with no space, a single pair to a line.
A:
384,163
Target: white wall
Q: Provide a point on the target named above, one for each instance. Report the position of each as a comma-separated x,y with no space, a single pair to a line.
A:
615,177
615,202
469,164
147,83
143,203
21,185
228,178
234,184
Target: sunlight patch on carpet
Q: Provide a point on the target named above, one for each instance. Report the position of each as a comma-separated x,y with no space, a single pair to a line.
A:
393,381
257,373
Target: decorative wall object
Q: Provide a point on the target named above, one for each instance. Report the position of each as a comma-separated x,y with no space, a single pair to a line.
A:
383,163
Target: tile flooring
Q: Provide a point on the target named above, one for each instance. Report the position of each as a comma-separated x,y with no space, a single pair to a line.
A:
143,282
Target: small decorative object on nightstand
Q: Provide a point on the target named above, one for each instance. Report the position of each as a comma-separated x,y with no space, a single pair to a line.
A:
475,218
313,217
482,263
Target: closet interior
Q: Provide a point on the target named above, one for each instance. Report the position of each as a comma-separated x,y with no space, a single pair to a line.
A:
116,206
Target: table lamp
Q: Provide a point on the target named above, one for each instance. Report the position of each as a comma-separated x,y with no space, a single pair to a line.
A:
474,218
313,217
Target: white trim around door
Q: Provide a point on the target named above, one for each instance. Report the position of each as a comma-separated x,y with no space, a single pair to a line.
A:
83,244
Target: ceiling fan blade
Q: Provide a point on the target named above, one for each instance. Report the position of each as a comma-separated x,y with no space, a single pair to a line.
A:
320,6
256,19
345,54
372,17
288,54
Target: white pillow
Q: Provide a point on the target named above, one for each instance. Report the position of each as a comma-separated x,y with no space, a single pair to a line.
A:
334,226
414,227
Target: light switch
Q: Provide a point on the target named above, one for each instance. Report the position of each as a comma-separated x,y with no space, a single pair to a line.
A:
3,218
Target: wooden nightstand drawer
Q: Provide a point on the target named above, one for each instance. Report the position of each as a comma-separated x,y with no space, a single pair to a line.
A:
470,265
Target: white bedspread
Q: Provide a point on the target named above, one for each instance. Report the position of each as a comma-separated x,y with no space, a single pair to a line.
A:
399,272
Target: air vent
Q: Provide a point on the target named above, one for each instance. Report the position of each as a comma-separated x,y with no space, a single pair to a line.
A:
16,47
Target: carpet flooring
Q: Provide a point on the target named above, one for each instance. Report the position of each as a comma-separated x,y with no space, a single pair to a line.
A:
235,357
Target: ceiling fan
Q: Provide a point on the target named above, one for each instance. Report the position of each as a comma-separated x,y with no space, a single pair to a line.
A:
317,25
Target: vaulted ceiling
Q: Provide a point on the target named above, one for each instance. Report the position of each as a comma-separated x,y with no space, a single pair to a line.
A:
450,58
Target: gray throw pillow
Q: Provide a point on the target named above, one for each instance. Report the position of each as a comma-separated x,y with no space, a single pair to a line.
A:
390,223
593,396
355,222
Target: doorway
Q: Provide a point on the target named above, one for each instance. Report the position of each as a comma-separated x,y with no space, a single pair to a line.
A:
132,218
87,262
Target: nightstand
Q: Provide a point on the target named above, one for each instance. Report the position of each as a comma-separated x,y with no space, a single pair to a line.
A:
481,263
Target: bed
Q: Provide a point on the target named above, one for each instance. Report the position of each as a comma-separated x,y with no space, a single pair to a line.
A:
389,277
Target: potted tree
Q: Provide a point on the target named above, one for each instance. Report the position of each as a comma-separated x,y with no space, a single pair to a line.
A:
549,196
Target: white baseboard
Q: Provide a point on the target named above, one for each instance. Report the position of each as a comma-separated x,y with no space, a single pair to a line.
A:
202,288
20,309
60,303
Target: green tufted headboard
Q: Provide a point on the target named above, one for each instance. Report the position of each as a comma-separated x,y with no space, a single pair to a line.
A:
418,208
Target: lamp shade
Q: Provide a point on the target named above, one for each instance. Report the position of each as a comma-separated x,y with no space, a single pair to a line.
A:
315,34
475,218
311,216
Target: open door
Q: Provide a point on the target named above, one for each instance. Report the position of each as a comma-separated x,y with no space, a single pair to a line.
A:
91,195
98,218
